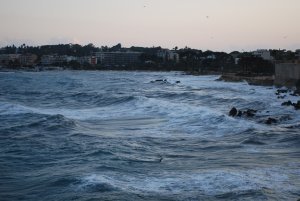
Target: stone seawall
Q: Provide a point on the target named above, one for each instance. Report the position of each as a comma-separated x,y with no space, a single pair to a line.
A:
287,74
253,80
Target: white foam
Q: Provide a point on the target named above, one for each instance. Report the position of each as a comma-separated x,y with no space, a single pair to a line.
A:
13,109
208,182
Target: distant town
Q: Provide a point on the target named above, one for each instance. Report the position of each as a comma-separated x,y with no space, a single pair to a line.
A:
284,64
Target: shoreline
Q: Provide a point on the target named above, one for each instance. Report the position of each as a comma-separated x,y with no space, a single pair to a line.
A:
261,80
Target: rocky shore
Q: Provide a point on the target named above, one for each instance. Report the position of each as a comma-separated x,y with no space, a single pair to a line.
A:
266,118
251,79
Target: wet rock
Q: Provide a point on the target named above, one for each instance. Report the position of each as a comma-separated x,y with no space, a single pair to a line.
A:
282,91
160,81
271,120
294,94
285,118
250,113
233,112
281,97
240,113
297,105
287,103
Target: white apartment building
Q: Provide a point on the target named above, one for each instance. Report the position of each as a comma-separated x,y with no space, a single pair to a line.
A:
168,55
264,54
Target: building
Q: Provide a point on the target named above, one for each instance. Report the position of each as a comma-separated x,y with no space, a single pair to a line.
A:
92,60
47,60
236,61
118,58
212,56
168,55
6,59
264,54
28,59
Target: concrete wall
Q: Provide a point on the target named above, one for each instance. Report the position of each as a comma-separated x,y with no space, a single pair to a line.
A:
287,74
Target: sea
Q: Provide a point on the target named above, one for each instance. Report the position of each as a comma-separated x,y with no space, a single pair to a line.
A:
120,135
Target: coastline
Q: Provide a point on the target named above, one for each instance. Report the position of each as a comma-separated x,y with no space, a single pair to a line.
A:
262,80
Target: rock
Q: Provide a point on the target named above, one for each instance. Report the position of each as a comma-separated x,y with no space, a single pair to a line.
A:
287,103
281,91
297,105
294,94
271,120
285,118
281,97
233,112
177,82
160,81
240,113
250,113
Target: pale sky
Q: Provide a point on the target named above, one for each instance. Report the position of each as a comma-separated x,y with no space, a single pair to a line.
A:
219,25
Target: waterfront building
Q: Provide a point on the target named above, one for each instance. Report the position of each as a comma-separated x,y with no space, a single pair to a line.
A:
5,59
92,60
47,60
28,59
236,61
264,54
212,56
118,58
168,55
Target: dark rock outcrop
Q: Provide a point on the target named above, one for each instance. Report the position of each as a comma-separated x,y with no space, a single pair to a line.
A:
233,112
294,94
160,81
287,103
271,120
239,113
250,113
297,105
281,97
282,91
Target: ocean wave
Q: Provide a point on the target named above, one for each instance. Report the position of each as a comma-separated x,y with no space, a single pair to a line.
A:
208,182
38,122
13,109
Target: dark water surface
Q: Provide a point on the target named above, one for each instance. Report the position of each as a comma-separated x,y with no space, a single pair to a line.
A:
118,136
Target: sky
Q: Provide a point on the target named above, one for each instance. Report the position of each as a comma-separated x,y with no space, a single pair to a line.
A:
218,25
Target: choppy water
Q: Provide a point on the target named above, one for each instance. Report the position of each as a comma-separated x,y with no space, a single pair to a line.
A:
118,136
